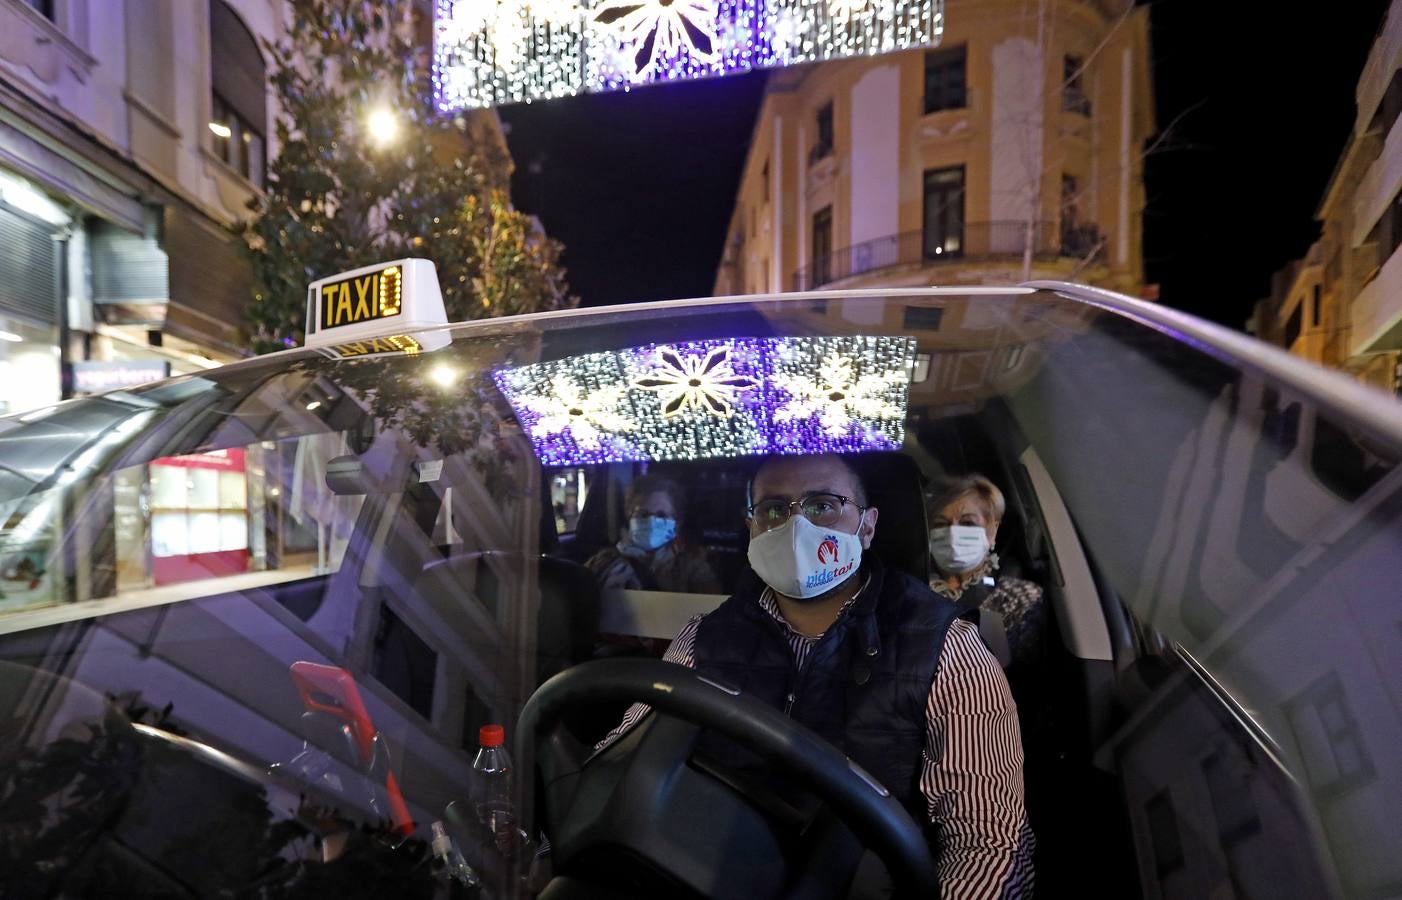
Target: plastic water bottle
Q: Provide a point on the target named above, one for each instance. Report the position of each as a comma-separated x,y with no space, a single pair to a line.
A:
491,777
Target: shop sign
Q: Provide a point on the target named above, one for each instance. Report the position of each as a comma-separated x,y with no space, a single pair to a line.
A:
91,377
231,460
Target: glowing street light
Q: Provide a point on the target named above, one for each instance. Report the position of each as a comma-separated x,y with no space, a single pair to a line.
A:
221,130
383,126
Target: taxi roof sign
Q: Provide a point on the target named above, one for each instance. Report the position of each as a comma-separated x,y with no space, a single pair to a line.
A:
374,301
388,345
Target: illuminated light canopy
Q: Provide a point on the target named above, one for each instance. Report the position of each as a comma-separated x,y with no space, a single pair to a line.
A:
489,52
717,398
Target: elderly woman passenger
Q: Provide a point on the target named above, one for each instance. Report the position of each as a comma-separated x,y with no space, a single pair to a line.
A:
964,515
653,555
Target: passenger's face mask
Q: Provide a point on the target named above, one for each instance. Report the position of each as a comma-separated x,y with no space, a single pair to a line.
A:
801,560
958,548
651,532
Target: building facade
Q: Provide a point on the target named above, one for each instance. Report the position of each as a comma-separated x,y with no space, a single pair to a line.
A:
132,133
1012,151
1341,306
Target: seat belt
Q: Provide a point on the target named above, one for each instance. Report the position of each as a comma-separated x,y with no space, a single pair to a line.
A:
995,636
991,627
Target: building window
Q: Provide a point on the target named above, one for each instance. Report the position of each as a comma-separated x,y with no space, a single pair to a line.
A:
238,108
1382,241
1078,239
945,85
824,147
1330,741
1391,234
822,247
405,663
1316,306
1390,107
1163,834
920,369
944,212
44,8
1070,201
922,318
1292,326
1228,776
764,179
1073,95
476,713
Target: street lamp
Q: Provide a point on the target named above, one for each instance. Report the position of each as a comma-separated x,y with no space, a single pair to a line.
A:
383,126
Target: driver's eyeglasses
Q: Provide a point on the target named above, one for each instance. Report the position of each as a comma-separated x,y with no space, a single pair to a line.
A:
821,509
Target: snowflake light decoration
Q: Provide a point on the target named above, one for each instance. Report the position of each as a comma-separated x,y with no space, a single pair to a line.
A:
838,397
585,415
715,399
557,48
706,383
657,30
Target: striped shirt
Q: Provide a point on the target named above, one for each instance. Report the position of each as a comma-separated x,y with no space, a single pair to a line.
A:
971,767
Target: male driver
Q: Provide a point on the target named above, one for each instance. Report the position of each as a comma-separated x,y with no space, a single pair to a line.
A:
876,663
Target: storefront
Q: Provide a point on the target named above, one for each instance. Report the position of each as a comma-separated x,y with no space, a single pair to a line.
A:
103,264
31,226
199,516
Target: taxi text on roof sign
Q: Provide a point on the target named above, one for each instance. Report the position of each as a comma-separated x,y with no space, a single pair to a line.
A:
375,295
390,345
374,302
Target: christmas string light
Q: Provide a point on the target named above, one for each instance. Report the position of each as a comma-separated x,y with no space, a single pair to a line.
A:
715,399
488,52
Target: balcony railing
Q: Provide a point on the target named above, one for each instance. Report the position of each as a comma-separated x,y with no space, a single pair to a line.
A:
976,242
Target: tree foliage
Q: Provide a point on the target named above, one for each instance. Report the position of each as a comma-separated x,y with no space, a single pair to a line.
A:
337,197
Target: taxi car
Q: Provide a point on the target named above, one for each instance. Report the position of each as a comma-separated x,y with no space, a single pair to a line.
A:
252,620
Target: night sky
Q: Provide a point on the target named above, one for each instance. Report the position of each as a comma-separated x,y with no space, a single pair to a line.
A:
640,186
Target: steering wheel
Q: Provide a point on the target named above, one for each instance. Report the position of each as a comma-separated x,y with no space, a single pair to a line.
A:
632,792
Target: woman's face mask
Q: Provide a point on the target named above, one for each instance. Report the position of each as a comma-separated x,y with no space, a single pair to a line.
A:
958,548
802,560
651,532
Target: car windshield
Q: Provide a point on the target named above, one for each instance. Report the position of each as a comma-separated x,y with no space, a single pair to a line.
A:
252,621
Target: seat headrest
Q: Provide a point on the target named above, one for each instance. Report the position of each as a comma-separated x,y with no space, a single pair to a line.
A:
894,487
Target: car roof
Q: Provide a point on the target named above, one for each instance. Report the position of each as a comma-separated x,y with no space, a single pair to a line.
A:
1333,391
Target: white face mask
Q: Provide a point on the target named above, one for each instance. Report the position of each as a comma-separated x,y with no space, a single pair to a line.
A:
650,532
958,548
801,560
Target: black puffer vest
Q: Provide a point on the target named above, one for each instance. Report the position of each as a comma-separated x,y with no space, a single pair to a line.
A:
864,688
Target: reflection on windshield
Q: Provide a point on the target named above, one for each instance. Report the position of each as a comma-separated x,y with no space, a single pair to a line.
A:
715,399
174,560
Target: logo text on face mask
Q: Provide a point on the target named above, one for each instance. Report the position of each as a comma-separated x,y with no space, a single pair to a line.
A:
827,550
828,577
